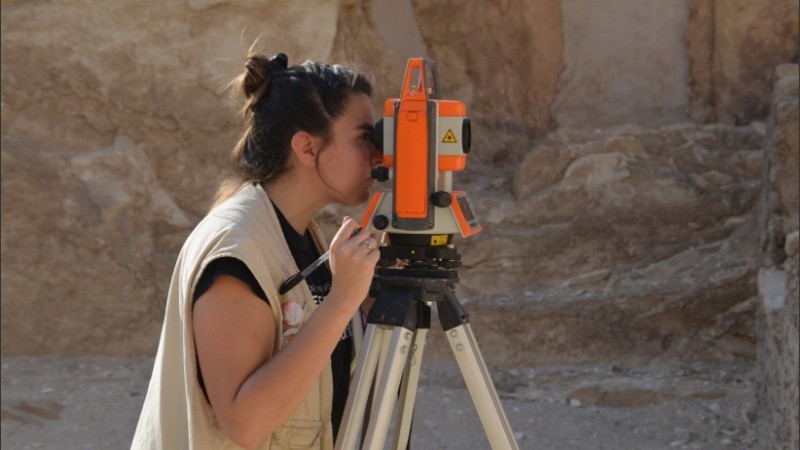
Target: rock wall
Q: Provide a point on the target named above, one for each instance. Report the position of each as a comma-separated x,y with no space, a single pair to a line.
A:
115,130
504,60
629,243
734,47
777,315
615,74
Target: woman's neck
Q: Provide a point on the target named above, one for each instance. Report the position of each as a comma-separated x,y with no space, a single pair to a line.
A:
298,205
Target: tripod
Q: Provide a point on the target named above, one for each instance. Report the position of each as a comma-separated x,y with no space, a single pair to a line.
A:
392,348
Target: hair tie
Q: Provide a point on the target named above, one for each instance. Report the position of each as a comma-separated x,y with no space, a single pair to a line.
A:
278,64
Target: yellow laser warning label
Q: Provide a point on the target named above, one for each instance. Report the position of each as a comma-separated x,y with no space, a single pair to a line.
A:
438,240
449,137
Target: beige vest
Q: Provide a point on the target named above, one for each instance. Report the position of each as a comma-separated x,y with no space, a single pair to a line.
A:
176,414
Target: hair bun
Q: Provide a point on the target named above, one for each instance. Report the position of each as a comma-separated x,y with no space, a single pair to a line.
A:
256,75
278,63
259,70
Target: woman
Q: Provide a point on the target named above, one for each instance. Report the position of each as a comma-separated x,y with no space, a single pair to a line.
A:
239,365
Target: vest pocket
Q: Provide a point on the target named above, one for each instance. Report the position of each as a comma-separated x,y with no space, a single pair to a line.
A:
298,434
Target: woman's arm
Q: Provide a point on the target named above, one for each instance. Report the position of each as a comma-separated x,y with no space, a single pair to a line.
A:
252,391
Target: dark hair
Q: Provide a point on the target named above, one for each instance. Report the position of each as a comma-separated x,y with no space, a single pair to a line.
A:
280,101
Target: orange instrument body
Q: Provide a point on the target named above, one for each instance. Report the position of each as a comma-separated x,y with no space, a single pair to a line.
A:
425,139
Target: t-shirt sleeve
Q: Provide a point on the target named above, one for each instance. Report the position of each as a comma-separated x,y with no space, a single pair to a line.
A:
227,266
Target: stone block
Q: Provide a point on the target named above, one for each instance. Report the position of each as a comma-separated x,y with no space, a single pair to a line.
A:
777,318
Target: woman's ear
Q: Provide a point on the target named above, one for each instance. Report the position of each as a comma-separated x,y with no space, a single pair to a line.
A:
305,147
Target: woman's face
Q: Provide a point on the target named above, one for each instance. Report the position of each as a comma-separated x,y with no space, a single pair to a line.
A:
346,164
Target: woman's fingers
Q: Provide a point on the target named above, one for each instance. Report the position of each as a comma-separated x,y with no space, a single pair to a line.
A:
351,242
369,244
362,238
349,226
354,254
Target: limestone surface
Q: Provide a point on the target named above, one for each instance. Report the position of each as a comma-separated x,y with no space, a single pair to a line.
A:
777,317
115,129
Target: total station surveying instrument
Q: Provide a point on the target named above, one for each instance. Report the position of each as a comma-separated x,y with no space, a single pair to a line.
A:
424,140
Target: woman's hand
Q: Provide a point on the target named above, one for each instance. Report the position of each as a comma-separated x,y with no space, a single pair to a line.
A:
354,255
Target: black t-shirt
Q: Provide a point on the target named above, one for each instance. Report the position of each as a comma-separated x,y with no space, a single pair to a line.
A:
304,252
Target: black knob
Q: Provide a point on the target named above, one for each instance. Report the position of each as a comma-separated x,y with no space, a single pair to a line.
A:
380,222
442,199
380,173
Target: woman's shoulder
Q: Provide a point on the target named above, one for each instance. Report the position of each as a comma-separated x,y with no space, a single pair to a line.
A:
246,202
246,215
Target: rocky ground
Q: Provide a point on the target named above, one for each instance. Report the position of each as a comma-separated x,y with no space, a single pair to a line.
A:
92,402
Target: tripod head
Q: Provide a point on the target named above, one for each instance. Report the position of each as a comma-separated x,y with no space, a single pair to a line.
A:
424,139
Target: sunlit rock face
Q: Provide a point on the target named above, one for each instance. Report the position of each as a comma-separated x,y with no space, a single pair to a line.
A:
616,192
115,131
603,242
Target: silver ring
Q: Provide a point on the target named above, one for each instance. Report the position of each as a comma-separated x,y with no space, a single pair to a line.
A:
370,247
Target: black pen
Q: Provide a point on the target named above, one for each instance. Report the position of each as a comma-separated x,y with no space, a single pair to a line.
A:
300,276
